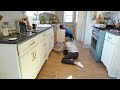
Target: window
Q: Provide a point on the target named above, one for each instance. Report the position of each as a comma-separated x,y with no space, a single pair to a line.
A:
31,13
39,12
68,16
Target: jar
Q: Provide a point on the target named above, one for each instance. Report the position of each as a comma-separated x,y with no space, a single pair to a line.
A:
5,32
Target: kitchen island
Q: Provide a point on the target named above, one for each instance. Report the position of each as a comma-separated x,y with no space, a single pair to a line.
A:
23,58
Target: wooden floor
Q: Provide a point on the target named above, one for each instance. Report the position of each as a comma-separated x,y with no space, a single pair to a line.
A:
54,69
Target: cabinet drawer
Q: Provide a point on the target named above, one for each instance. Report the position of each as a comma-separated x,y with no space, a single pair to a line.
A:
111,38
49,31
27,45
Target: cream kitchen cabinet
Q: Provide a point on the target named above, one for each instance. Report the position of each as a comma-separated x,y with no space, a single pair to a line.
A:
50,40
107,50
30,63
24,60
111,54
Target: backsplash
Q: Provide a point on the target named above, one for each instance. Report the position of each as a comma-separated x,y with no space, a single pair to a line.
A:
10,16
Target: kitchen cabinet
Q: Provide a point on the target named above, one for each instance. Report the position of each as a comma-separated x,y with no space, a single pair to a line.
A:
24,60
107,50
111,54
30,63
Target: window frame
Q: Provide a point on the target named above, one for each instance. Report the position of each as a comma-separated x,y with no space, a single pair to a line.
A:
64,17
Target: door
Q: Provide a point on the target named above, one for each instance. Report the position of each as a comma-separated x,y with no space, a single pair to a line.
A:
51,41
30,63
43,51
94,42
36,61
26,65
107,54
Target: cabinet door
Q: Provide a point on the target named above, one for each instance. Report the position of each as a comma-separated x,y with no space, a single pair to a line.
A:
36,61
43,51
107,54
30,63
50,42
26,65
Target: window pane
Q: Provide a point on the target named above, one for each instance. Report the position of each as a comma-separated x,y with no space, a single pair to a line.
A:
40,12
68,19
68,16
68,13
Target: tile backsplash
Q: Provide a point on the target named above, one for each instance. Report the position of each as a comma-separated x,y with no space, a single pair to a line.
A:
10,16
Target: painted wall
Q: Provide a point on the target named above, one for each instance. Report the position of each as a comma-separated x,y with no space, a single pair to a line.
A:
80,25
88,30
60,16
10,16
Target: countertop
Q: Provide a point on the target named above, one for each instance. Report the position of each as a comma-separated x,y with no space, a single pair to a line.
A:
21,37
109,30
114,33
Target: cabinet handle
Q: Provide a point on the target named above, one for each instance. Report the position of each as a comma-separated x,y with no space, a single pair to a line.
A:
109,37
35,55
32,43
32,56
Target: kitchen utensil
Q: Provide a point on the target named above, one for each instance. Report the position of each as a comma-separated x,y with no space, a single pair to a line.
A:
22,27
34,26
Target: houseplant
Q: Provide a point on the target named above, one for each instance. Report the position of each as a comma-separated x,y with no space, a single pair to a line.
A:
42,19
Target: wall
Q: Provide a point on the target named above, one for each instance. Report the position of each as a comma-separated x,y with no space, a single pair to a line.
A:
80,25
10,16
60,16
88,30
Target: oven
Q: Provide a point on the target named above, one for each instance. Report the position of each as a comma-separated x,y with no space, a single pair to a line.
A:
94,38
93,42
97,41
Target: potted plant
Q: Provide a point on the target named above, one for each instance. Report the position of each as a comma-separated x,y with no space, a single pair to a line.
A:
42,19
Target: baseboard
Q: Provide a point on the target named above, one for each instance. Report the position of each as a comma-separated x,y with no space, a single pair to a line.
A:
86,46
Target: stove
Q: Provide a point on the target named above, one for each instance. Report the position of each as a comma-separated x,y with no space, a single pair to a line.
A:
97,41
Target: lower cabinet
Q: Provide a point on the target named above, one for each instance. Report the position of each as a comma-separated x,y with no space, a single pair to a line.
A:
30,63
25,60
108,49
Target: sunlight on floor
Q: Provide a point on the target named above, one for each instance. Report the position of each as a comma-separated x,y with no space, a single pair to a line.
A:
70,77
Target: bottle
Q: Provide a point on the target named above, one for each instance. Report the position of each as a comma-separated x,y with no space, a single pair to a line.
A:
34,25
17,26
